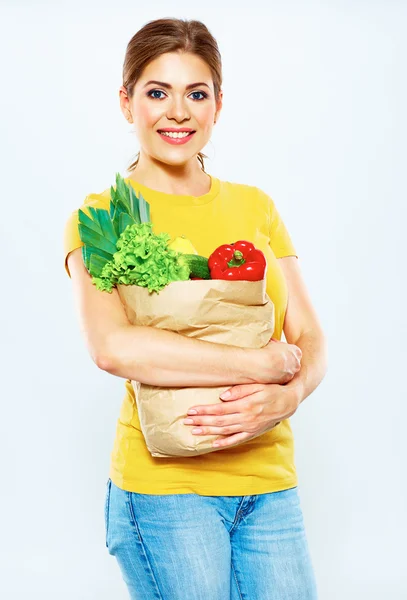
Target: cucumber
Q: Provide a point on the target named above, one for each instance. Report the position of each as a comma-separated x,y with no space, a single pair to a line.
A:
198,265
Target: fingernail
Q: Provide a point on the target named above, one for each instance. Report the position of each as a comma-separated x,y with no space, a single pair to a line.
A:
225,395
197,430
192,412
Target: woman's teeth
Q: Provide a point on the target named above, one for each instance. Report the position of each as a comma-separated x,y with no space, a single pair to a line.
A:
175,135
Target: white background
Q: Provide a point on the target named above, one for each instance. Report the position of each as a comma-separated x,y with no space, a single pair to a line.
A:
315,114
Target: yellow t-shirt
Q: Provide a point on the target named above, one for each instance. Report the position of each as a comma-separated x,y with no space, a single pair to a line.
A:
227,213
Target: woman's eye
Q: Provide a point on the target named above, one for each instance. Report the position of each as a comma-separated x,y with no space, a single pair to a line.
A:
154,92
151,92
202,93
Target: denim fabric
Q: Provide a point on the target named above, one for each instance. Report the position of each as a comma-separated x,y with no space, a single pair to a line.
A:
194,547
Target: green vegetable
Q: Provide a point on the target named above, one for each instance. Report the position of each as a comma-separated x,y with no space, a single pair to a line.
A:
143,259
101,230
121,248
198,266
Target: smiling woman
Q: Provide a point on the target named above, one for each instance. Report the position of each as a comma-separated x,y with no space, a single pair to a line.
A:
177,108
227,524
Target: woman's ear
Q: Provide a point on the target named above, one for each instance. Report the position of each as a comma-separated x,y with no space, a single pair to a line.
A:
125,104
218,106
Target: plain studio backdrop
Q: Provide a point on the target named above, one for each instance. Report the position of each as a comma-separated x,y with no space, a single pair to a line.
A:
314,114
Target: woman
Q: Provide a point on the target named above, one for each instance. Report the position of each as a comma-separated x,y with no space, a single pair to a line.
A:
226,524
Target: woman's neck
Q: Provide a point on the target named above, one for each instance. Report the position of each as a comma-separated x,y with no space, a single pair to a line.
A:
189,182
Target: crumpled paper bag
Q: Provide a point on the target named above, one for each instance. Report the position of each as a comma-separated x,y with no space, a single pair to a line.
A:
238,313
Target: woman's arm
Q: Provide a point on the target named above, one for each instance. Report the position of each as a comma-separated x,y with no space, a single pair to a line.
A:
314,366
165,358
160,357
302,327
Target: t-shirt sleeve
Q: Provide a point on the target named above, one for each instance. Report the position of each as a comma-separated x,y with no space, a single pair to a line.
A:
71,237
280,240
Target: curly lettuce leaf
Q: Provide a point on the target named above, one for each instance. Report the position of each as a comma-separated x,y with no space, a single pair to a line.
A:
143,259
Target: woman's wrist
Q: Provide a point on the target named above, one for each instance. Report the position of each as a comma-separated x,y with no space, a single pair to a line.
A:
255,368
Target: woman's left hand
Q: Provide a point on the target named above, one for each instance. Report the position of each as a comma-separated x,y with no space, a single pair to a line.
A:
250,410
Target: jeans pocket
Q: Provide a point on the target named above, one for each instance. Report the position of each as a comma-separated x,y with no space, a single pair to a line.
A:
107,503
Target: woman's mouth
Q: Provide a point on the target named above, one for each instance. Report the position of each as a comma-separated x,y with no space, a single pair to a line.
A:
176,138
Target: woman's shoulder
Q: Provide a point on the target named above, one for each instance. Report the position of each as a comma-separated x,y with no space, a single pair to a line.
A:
247,191
244,187
98,199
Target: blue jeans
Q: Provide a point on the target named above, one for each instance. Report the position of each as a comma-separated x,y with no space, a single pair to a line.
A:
194,547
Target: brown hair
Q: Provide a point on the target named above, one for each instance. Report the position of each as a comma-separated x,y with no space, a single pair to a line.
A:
170,35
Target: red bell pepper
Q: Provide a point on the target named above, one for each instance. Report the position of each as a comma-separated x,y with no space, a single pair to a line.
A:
237,262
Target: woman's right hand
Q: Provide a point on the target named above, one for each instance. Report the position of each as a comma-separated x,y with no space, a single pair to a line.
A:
279,362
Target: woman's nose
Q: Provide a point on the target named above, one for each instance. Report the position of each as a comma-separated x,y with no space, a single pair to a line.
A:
178,110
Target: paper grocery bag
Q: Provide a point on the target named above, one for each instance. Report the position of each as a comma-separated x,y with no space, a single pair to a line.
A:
238,313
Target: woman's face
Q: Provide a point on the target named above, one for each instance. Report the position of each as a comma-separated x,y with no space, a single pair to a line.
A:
178,104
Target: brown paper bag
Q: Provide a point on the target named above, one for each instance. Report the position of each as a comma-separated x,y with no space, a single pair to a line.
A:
238,313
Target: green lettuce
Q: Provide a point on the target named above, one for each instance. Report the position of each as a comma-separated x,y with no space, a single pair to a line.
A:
142,259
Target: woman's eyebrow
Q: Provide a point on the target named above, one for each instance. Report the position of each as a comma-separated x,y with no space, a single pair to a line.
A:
167,85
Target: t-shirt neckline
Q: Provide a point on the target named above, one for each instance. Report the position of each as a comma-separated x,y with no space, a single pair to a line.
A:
180,199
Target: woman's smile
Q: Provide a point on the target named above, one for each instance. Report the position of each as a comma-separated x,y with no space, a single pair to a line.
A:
176,138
